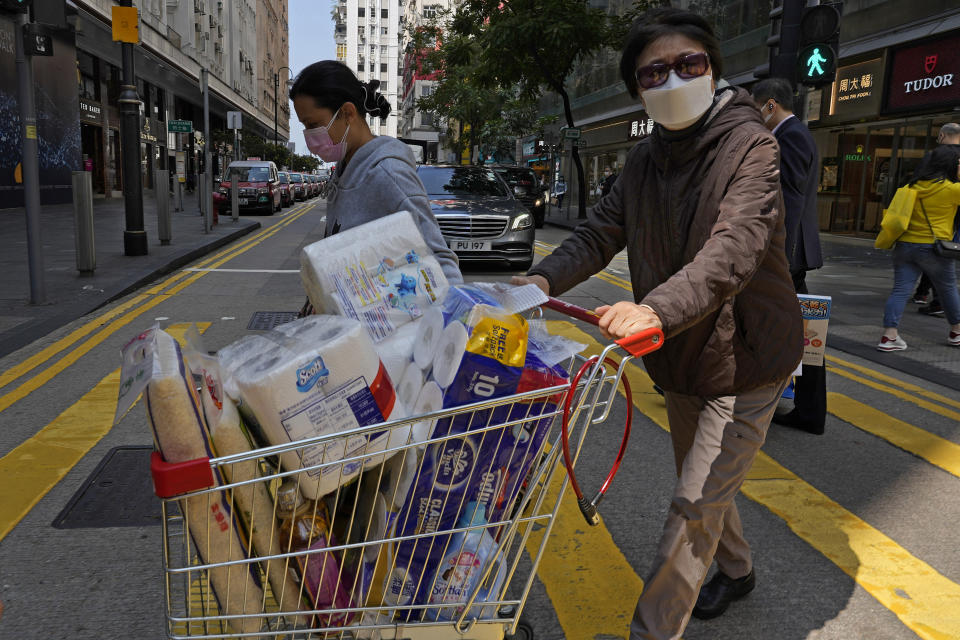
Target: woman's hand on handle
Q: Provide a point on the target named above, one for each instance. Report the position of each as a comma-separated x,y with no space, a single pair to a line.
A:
624,319
540,281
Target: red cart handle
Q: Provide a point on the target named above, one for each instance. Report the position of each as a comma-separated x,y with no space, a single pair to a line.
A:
636,345
174,478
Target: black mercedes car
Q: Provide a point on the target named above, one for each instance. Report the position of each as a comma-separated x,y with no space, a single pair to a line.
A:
478,214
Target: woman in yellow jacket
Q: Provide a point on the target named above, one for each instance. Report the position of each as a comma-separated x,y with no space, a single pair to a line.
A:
937,186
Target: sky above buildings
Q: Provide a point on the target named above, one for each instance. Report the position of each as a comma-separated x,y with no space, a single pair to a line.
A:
311,39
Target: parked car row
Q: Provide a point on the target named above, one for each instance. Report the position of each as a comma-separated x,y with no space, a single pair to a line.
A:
263,189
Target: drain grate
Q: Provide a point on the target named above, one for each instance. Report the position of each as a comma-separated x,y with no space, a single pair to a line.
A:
266,320
119,493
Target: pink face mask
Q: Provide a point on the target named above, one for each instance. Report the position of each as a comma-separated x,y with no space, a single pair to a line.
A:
321,144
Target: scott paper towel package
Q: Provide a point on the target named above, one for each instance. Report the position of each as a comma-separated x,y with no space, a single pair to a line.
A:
316,376
181,434
381,273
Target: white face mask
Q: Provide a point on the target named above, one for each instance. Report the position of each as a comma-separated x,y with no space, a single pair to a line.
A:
678,103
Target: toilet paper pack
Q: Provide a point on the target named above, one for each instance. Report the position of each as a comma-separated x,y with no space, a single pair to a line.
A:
381,273
317,376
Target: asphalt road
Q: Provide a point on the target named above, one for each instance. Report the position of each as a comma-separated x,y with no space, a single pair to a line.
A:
853,532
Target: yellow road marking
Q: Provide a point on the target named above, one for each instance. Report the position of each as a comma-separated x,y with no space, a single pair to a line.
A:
34,383
38,464
908,397
601,275
924,600
906,386
594,597
74,336
932,448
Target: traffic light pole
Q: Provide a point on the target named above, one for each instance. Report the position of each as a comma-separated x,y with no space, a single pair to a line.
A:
134,236
30,166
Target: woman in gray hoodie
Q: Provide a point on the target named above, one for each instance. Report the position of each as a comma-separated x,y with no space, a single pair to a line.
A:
375,175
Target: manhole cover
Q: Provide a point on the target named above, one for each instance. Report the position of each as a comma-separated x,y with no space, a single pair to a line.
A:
266,320
119,493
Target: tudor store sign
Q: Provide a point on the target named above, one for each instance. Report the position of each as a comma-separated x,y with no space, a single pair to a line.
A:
925,75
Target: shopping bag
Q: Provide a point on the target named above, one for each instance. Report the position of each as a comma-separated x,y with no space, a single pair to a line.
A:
896,218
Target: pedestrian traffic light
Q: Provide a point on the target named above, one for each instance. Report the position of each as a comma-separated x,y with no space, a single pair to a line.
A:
819,41
783,41
15,6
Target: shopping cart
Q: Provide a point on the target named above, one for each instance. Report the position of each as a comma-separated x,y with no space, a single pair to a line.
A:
399,552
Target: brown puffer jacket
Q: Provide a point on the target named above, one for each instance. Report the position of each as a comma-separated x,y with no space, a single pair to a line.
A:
701,215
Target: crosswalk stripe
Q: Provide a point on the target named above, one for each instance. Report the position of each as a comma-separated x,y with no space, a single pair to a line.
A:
897,393
34,467
923,444
905,386
923,599
590,583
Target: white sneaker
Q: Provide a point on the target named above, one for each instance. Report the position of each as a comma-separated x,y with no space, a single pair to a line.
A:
891,344
954,339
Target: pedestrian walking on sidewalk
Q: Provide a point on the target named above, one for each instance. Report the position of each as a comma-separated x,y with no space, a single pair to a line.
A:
799,177
375,175
937,186
698,208
559,190
926,294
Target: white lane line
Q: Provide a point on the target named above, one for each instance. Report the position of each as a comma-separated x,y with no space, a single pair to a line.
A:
245,270
859,293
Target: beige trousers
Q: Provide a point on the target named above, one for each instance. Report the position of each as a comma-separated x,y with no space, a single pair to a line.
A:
714,443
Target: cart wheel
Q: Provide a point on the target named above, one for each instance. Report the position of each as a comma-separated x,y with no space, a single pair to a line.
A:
524,632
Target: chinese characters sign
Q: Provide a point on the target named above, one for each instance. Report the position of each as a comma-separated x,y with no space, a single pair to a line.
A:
857,90
640,128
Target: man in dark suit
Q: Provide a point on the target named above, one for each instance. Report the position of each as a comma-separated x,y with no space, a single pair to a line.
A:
799,177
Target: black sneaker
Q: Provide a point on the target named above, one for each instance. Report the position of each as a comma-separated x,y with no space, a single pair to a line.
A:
932,309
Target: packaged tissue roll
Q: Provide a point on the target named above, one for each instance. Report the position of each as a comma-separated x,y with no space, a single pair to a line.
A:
180,433
321,375
381,273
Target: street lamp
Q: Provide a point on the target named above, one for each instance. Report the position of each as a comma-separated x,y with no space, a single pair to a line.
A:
276,91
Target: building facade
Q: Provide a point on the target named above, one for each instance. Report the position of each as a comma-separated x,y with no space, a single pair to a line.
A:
367,36
419,127
871,125
274,55
178,38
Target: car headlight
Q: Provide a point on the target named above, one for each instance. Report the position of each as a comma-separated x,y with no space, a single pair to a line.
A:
538,203
262,191
522,221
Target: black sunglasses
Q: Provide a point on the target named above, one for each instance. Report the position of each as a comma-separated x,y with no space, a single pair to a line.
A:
689,66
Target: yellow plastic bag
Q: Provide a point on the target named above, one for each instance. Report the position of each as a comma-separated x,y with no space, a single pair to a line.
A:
896,218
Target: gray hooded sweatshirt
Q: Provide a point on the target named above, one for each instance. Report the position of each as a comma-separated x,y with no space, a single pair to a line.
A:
380,179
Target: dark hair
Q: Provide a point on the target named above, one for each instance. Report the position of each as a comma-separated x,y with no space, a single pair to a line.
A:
779,89
332,84
939,164
663,21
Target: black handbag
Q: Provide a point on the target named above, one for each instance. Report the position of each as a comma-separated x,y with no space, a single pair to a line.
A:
943,248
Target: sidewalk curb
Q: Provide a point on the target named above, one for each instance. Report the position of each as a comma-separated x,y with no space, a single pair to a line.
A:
19,337
179,261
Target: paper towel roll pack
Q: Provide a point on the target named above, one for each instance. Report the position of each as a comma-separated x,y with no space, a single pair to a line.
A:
317,376
381,273
180,433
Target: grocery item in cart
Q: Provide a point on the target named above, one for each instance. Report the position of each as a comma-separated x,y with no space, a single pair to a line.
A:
319,376
181,434
252,501
462,567
305,526
381,273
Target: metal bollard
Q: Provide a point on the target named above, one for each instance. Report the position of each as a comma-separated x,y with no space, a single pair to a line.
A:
83,222
235,197
161,181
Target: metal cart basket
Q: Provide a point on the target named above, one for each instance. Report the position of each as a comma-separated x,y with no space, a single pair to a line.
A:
426,541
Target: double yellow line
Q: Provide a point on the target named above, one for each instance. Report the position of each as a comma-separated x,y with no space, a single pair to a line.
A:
110,321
